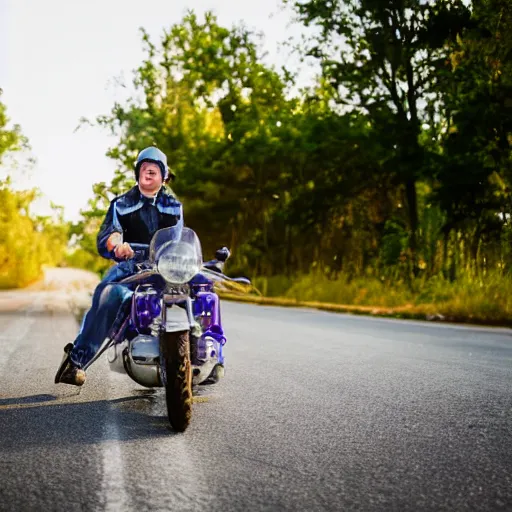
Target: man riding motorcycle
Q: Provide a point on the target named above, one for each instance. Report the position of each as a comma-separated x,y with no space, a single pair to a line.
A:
133,217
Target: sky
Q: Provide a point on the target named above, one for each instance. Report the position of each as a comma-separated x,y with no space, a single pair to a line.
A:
58,61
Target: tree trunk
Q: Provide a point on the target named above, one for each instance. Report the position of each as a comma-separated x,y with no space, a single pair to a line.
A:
444,264
413,151
412,209
288,257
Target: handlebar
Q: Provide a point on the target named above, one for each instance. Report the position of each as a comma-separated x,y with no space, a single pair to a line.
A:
219,276
139,249
140,252
241,280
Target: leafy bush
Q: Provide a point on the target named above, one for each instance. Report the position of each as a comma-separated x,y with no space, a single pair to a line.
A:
26,243
487,298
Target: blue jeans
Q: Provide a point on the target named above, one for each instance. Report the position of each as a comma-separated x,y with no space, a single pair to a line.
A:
110,305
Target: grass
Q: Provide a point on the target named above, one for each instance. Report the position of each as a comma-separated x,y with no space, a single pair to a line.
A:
485,300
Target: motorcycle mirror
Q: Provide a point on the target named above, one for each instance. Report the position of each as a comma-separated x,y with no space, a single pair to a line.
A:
222,254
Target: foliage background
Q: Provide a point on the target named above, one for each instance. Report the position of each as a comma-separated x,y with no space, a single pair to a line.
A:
27,242
388,182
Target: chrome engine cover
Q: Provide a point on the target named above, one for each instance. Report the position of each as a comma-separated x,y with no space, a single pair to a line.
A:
209,358
139,358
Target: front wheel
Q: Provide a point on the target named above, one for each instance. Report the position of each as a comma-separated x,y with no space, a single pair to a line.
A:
177,378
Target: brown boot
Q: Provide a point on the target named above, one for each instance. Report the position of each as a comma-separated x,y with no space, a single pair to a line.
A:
68,373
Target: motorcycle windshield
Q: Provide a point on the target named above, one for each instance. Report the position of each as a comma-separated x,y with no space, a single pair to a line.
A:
177,253
170,237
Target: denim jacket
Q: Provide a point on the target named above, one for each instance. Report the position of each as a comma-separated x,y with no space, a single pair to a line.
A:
138,217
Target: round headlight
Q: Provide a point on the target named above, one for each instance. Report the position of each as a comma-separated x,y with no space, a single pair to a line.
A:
178,263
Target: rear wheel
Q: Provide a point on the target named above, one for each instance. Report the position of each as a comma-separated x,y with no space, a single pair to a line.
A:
177,378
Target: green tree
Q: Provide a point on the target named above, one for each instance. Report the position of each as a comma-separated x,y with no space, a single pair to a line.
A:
474,180
381,58
26,242
11,138
221,116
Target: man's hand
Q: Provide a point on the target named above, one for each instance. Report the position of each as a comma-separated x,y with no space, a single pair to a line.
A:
123,251
114,240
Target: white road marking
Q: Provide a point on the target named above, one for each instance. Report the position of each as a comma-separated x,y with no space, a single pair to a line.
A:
113,484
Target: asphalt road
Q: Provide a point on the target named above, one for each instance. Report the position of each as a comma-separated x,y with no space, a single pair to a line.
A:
317,411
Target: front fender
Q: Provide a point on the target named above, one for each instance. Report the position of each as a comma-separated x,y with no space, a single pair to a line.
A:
177,313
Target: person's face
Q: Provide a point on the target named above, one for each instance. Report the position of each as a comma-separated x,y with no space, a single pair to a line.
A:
150,177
